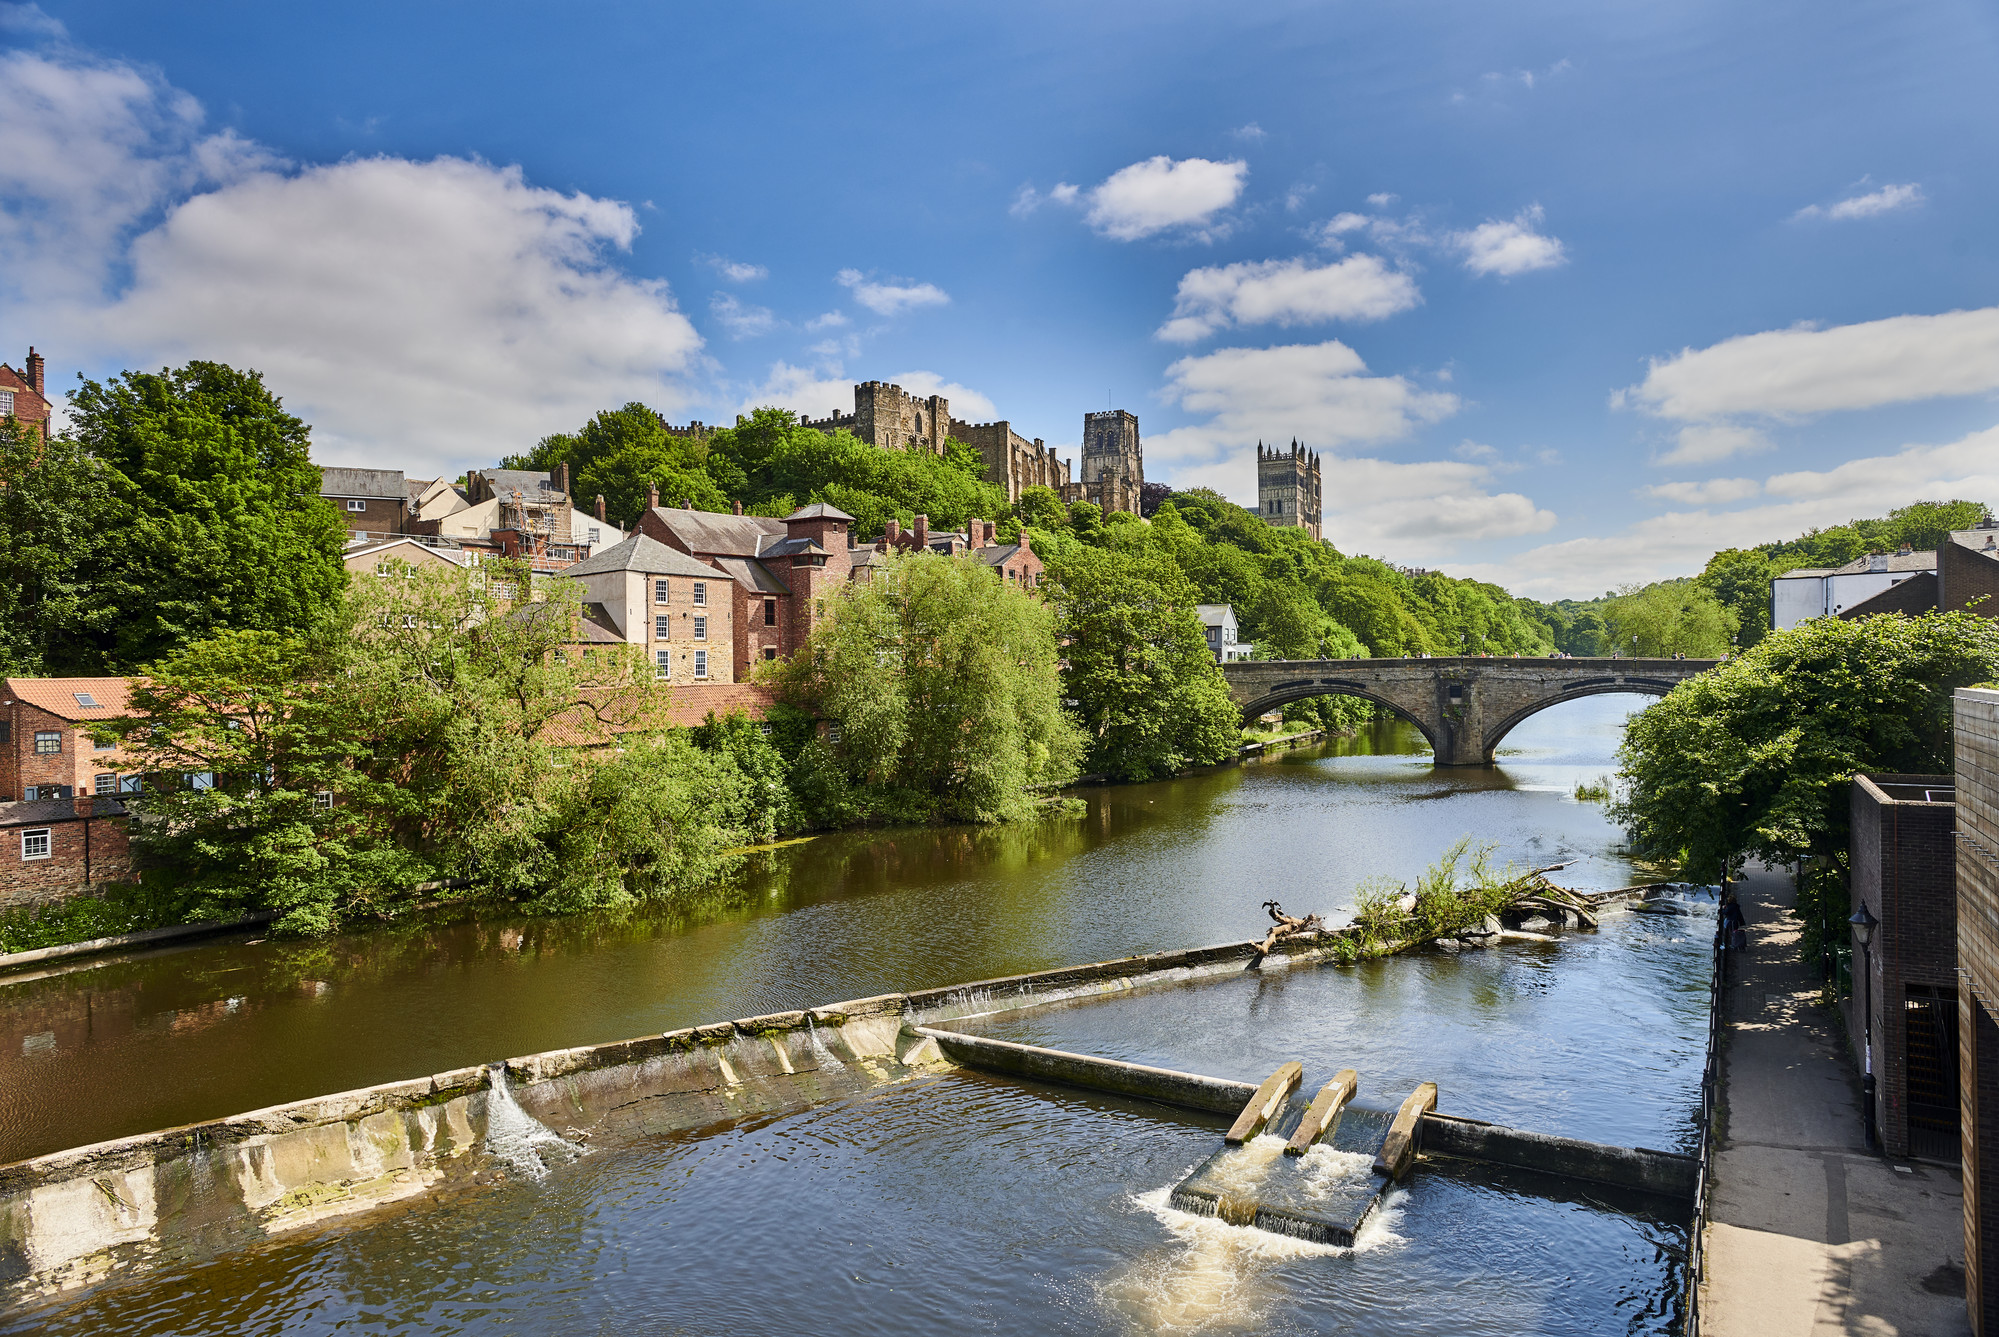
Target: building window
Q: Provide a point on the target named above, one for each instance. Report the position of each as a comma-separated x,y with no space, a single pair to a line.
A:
596,535
763,728
37,845
770,652
47,742
661,592
664,660
200,779
323,799
770,612
700,628
662,626
700,593
356,506
700,663
129,785
6,403
104,747
6,731
107,783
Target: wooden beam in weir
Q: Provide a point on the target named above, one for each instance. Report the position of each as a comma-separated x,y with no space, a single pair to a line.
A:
1263,1106
1398,1149
1324,1113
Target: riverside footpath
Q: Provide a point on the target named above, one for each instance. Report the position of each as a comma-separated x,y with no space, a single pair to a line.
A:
1809,1233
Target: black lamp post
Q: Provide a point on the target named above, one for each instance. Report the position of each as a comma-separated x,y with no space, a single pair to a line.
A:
1864,925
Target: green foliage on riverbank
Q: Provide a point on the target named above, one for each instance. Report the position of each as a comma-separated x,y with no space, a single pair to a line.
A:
1452,896
107,912
1756,757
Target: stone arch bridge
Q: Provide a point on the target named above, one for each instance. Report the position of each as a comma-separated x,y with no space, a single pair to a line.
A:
1463,706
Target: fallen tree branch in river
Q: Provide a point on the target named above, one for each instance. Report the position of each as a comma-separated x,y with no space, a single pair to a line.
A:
1283,926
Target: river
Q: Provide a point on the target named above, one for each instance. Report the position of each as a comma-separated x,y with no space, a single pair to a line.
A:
1027,1212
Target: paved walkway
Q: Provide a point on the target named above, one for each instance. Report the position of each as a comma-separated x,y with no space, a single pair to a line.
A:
1810,1233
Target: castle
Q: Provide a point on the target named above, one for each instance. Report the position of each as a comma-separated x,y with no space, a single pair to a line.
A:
1287,487
1113,464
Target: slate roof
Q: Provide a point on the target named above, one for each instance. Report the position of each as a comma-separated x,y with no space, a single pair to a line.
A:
709,532
531,483
47,811
59,696
792,548
819,510
642,554
999,554
753,575
384,484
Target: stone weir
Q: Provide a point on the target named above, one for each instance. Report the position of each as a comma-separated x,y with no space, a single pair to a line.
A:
93,1213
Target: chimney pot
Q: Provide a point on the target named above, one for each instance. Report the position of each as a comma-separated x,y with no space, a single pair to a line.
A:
893,534
600,506
687,504
84,803
739,508
922,531
652,496
34,377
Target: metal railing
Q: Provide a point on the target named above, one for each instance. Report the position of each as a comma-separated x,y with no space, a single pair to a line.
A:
1710,1092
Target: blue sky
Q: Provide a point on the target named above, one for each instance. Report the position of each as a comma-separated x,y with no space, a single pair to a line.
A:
1568,295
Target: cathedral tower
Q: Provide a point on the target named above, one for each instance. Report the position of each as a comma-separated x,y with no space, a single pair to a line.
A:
1287,487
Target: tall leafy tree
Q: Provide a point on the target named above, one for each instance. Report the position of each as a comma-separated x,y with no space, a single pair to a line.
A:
622,453
215,515
1671,617
1146,689
57,531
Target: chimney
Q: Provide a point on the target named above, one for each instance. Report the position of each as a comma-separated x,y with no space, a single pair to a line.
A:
922,533
893,534
992,532
34,377
687,503
562,479
975,534
739,508
652,496
600,506
84,803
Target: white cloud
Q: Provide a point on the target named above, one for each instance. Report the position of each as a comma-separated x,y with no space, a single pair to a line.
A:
1029,199
1679,543
1706,442
1804,370
1382,199
740,320
1152,196
966,402
1318,392
429,314
1712,492
890,299
1287,292
1251,133
831,320
737,271
1874,203
1509,247
29,21
802,390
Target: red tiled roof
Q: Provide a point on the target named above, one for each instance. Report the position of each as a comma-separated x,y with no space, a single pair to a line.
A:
59,696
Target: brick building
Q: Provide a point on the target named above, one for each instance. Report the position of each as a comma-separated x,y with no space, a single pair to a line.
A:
1976,730
1287,487
1017,563
24,393
374,503
681,609
52,849
45,747
1904,872
780,571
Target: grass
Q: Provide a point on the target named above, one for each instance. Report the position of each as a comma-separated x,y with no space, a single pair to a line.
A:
1593,791
117,908
1454,894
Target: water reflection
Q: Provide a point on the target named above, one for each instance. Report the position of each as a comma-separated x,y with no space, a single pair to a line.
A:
229,1026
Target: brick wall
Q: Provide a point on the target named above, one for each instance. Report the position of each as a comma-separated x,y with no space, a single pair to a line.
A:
84,852
1905,872
75,764
1977,777
1965,575
383,515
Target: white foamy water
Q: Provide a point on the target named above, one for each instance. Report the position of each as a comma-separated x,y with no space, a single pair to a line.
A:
827,1058
517,1137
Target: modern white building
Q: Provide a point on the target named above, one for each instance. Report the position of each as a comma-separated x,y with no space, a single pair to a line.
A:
1219,619
1829,591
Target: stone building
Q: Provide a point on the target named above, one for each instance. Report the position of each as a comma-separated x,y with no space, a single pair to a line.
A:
780,572
1287,487
890,417
681,609
1976,731
24,393
1112,472
1903,872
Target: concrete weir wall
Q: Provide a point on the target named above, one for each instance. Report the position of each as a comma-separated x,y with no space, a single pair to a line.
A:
76,1217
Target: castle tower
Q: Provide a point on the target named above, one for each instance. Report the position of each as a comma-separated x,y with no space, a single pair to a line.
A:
890,417
1287,487
1113,462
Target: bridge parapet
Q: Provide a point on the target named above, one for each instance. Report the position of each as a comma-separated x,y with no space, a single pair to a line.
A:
1464,706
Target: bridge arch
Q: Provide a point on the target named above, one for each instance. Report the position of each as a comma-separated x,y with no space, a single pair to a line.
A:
1300,691
1496,734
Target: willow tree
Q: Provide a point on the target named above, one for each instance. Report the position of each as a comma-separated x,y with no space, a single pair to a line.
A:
944,684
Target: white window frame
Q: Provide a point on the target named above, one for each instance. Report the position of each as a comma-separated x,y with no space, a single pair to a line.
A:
700,628
596,535
43,735
6,403
323,800
700,663
700,594
662,591
38,843
356,506
663,665
662,626
98,786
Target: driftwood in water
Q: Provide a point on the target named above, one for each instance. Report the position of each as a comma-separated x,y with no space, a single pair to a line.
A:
1283,926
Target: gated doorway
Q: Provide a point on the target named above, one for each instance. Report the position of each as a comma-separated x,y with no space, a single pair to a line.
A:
1929,1018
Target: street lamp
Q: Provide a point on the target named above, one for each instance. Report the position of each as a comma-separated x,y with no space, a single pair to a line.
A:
1863,925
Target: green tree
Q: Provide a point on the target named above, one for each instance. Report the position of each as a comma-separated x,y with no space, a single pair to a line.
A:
1739,579
1668,618
1756,756
215,509
1147,691
620,454
57,527
943,680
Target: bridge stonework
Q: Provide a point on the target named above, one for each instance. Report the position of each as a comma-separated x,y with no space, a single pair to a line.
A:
1464,707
